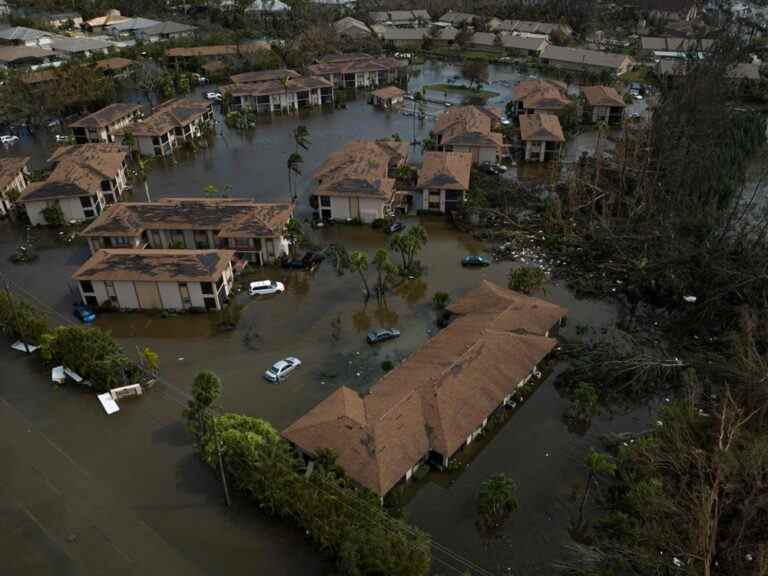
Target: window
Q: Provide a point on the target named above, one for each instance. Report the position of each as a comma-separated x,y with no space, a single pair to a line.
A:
120,241
257,243
184,292
325,201
111,293
106,186
156,141
270,248
158,152
86,286
433,200
206,287
85,201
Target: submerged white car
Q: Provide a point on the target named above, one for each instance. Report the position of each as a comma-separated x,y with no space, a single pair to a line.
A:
282,368
9,139
214,96
265,287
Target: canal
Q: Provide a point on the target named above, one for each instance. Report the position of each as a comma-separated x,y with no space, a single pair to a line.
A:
84,492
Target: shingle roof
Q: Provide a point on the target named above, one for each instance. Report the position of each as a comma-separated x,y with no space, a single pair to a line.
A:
348,23
167,27
276,86
602,96
467,126
395,34
674,44
586,57
138,265
388,92
267,6
396,16
541,128
541,94
457,17
264,76
445,171
438,396
528,27
172,114
24,34
220,50
10,166
231,217
79,171
114,63
15,53
76,45
132,24
361,169
347,64
106,116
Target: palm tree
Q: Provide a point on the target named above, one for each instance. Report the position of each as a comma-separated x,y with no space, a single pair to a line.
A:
294,168
358,262
498,497
597,463
301,138
384,268
211,191
294,234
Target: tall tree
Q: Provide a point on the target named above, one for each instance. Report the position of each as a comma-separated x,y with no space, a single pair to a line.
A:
358,262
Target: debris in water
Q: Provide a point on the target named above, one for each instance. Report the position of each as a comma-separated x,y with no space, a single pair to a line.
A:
181,358
677,562
690,299
659,423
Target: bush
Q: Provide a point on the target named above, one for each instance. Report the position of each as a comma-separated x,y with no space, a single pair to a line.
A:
527,280
54,216
20,320
335,515
440,300
387,365
497,499
378,224
91,352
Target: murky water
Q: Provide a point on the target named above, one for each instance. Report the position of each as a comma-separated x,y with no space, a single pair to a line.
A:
132,479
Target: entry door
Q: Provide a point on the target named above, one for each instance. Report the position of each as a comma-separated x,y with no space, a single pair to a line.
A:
354,207
148,295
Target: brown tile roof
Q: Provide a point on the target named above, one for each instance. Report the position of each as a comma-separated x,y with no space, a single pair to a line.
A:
223,50
114,63
436,398
79,171
468,126
264,76
388,92
175,113
137,265
602,96
541,127
10,166
361,169
541,94
445,170
276,86
106,116
351,63
231,217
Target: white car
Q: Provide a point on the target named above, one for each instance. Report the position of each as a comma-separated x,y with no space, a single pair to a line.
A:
265,287
282,368
214,96
62,138
9,139
505,121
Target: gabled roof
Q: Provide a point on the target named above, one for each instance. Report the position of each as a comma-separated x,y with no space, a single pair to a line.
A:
395,34
388,92
541,94
264,76
438,396
10,54
79,171
24,34
457,18
175,113
271,6
78,45
348,23
445,171
167,27
361,169
541,127
468,126
219,50
602,96
116,63
132,24
106,116
277,86
528,27
231,217
111,17
585,57
400,16
351,63
138,265
10,167
674,44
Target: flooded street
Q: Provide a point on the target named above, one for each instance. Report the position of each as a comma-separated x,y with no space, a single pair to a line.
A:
86,492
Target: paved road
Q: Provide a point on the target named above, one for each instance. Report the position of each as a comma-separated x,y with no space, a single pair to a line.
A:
84,493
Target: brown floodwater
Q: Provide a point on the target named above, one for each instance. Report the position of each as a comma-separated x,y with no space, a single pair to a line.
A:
82,492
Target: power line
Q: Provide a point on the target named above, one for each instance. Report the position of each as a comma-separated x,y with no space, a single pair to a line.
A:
465,563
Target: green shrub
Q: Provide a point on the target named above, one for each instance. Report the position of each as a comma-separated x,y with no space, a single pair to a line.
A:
527,280
20,320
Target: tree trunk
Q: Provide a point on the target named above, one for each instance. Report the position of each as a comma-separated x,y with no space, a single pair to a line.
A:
365,285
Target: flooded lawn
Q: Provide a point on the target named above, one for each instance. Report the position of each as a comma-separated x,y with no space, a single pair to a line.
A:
138,466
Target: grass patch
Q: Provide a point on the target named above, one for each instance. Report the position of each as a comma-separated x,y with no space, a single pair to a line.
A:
459,89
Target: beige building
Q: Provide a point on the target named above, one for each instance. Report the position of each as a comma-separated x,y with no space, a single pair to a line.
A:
135,279
84,180
103,126
602,104
288,94
444,180
542,136
387,97
170,125
470,129
438,401
358,181
13,181
255,231
530,96
359,70
587,60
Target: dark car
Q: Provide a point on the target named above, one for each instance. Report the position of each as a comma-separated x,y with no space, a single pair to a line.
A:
493,169
382,334
473,260
84,314
306,262
395,227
